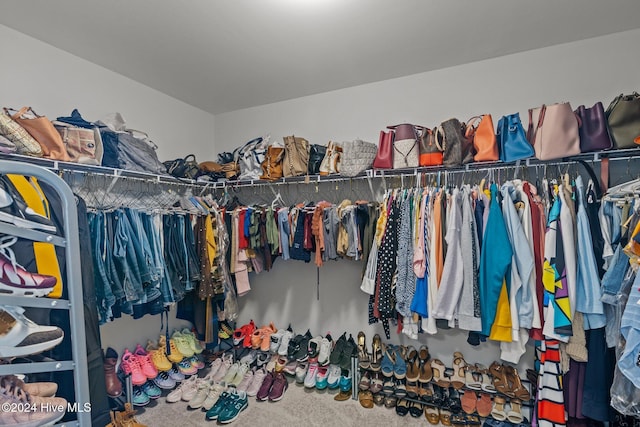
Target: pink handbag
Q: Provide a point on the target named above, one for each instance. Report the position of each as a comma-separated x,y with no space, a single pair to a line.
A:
553,131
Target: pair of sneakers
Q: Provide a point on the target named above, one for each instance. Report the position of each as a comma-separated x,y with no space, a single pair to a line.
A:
242,335
229,406
185,391
138,364
186,342
342,352
273,387
236,372
207,393
316,376
143,394
280,341
261,337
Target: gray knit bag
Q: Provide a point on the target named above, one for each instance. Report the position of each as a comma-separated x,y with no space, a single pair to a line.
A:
357,157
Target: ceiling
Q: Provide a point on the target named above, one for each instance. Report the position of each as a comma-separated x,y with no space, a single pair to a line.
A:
221,55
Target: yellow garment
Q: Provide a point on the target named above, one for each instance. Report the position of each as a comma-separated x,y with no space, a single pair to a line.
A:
382,222
212,245
501,328
45,253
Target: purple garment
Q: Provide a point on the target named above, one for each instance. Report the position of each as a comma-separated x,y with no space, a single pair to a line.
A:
573,386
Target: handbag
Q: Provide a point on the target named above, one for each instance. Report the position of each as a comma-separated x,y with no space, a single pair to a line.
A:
25,144
384,156
623,117
43,131
357,157
83,145
592,128
317,154
332,159
6,146
512,141
457,148
296,156
406,151
480,130
185,167
272,165
553,131
250,157
430,149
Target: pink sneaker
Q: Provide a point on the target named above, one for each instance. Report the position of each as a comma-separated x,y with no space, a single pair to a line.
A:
148,368
256,383
131,366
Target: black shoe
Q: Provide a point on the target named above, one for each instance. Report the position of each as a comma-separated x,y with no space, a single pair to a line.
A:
14,210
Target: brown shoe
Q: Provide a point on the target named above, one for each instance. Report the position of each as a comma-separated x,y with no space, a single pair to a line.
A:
113,384
127,417
42,389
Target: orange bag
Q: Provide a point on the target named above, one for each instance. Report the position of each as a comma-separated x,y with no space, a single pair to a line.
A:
43,131
481,130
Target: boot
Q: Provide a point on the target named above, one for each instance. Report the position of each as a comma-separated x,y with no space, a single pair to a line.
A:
114,386
113,422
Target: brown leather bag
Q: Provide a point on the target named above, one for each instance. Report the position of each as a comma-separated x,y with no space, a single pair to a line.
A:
272,165
43,131
296,156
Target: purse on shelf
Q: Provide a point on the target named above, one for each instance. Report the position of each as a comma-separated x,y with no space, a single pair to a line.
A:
357,157
332,159
479,129
83,145
185,167
296,156
317,153
430,149
384,156
250,157
592,128
623,117
406,150
512,141
6,146
457,148
25,144
272,165
553,131
43,131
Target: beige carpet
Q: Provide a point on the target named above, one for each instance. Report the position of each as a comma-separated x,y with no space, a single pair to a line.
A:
298,407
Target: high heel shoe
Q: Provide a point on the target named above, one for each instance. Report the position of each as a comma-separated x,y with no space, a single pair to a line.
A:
388,361
459,365
517,389
376,353
486,383
500,382
438,373
400,366
413,365
364,361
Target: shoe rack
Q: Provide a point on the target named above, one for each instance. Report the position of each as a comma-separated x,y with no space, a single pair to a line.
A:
73,283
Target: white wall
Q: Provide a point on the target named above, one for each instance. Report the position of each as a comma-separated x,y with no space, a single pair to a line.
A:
582,72
55,82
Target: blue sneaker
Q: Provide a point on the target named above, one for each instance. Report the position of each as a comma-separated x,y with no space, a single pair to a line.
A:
321,378
164,381
196,361
216,409
333,377
175,374
237,403
345,381
151,389
139,398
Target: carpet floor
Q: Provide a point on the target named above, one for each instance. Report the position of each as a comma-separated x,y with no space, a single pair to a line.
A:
298,407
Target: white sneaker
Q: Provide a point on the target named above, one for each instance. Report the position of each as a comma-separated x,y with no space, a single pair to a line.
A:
214,394
227,362
284,343
247,379
250,357
190,387
325,351
176,394
231,373
215,365
310,379
313,348
243,368
202,392
258,378
301,372
22,337
333,377
276,338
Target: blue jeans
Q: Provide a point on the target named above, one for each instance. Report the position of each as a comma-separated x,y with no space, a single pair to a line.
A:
125,257
153,228
612,279
283,225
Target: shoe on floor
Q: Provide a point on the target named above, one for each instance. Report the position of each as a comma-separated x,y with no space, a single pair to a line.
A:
139,398
326,345
301,372
112,382
194,343
214,394
182,343
231,373
284,342
265,387
246,381
237,403
172,352
159,359
130,365
151,389
279,386
164,381
175,374
148,369
226,364
202,391
321,377
19,336
256,382
222,402
186,368
310,378
196,362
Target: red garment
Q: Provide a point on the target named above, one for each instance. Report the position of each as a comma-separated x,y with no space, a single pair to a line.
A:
243,241
538,227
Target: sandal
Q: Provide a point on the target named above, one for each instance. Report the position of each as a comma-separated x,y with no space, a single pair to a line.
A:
413,365
415,409
376,353
459,365
389,388
432,415
378,399
388,361
390,401
518,390
402,408
445,417
486,383
500,382
472,378
412,389
468,401
453,401
438,373
366,399
400,366
458,420
400,390
515,414
365,382
364,361
497,413
473,420
426,372
426,393
376,384
484,405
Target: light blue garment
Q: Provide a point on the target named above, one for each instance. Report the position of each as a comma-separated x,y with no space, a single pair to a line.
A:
630,330
522,254
588,291
283,227
612,279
